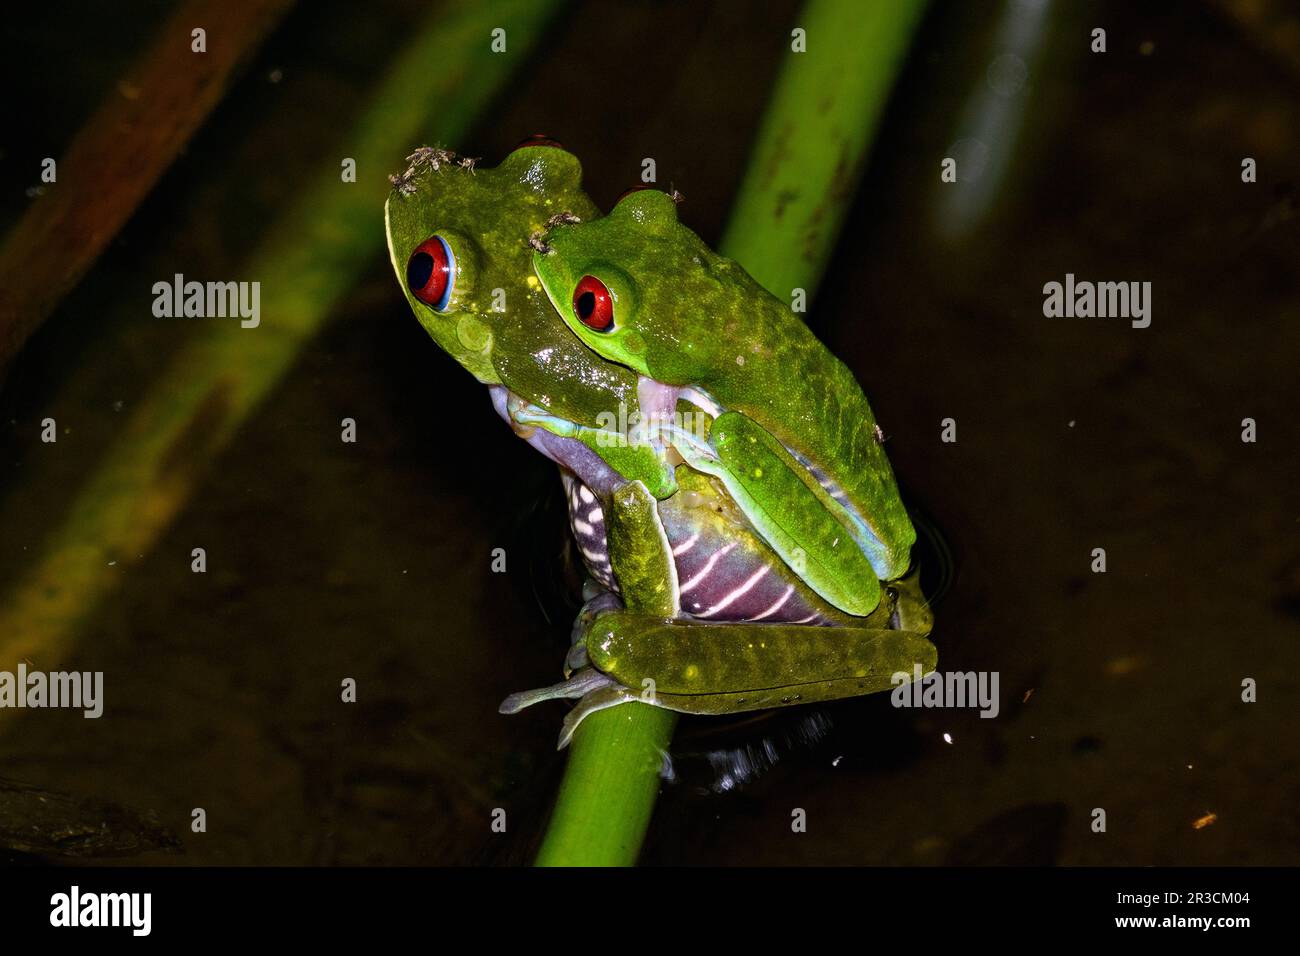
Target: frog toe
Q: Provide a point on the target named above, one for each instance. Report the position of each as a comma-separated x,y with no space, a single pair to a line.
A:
581,684
610,695
600,603
577,658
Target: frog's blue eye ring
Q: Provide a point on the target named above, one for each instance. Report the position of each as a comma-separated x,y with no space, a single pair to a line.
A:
592,304
431,272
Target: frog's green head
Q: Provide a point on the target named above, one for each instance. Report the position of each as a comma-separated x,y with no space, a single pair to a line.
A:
643,290
458,239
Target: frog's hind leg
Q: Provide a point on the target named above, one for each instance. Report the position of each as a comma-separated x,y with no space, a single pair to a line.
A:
730,668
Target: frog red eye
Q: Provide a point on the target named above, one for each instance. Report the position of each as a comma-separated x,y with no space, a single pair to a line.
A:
592,304
431,272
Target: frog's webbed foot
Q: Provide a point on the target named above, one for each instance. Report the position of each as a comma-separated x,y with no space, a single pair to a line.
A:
580,684
577,658
596,690
599,601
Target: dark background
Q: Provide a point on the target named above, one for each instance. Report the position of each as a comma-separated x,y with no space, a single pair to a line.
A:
372,560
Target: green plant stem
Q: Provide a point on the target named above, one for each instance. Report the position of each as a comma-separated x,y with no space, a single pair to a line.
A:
609,788
792,201
813,142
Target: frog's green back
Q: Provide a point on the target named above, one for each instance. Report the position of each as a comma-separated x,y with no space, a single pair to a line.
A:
771,367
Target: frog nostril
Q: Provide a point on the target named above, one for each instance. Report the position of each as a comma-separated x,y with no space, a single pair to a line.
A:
418,271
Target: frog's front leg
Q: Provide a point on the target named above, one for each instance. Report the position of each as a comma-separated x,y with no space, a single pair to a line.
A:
595,690
813,532
642,559
625,457
642,562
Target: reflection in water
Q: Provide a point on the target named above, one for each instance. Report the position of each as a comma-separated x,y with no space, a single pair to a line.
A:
764,742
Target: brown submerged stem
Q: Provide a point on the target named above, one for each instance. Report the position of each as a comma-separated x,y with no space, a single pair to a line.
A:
104,175
306,261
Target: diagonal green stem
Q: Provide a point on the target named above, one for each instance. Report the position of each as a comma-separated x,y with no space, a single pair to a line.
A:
810,152
609,787
813,142
306,261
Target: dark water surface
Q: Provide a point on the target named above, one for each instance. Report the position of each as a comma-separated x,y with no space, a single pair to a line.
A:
1119,691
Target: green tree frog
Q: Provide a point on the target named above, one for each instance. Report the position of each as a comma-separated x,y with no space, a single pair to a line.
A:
750,508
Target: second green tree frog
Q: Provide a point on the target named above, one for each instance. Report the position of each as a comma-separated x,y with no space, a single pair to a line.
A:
790,435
